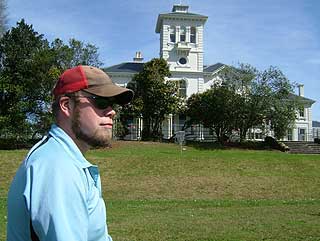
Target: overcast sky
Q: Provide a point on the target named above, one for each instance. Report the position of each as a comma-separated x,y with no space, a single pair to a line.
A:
282,33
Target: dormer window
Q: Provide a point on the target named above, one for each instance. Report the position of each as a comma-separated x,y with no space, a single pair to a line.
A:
193,35
182,34
172,34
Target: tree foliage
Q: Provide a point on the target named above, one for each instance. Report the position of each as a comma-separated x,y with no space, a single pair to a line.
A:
280,105
75,53
154,97
245,98
29,67
266,99
216,109
251,104
25,61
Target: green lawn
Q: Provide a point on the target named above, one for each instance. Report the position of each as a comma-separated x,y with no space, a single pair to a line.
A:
153,192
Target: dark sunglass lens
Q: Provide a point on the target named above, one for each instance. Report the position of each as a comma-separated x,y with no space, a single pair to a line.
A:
103,103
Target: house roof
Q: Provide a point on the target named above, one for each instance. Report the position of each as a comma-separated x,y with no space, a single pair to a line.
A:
315,123
136,67
302,99
126,67
212,68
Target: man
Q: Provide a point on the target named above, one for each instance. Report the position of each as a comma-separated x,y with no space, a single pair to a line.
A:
56,193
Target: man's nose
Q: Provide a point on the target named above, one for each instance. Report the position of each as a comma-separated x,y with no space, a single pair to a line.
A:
109,112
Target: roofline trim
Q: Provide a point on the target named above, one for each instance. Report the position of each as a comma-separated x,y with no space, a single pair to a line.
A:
183,16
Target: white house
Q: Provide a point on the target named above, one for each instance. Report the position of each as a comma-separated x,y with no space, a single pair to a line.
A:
316,129
181,44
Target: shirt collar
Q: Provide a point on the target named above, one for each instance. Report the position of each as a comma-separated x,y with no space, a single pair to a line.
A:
69,146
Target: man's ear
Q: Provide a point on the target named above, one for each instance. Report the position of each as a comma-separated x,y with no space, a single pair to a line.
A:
66,105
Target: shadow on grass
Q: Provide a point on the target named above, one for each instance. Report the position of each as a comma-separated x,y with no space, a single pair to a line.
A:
247,145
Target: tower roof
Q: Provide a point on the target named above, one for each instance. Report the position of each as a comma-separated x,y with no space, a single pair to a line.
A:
179,12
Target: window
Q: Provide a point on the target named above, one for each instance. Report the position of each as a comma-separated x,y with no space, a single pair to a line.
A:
258,135
182,120
182,34
193,35
302,134
289,135
172,34
211,132
182,88
192,129
182,60
301,112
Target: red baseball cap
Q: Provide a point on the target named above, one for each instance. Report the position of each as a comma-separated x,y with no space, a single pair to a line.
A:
92,80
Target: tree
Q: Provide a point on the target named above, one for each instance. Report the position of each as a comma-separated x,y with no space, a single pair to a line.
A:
281,107
246,98
265,98
29,67
154,97
75,53
216,109
23,55
251,103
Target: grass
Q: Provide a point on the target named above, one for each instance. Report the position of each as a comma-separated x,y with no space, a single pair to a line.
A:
153,192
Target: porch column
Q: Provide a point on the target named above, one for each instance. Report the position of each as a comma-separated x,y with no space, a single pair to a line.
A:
139,126
169,126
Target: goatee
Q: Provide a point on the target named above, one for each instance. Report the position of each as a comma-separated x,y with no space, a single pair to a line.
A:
100,138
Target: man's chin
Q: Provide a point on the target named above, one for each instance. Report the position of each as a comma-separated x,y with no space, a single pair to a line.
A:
97,140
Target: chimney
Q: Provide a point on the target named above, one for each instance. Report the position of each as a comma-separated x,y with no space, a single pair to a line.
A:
180,8
138,57
301,90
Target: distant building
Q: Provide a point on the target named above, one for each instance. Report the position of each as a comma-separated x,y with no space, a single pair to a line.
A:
316,129
302,130
181,44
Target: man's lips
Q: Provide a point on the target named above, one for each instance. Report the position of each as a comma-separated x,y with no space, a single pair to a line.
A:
107,125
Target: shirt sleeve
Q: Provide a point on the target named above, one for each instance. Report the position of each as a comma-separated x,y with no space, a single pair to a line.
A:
57,203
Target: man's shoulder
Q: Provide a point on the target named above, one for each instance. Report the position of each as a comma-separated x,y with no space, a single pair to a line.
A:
47,147
48,152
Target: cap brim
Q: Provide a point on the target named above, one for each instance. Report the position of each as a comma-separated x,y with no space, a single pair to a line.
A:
122,95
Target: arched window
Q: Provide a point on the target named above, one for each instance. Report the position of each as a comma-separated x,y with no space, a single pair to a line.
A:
193,35
182,34
172,34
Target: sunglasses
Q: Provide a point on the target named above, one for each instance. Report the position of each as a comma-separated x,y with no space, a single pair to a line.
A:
101,102
98,101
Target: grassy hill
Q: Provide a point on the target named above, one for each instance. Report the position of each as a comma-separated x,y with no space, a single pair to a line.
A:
155,192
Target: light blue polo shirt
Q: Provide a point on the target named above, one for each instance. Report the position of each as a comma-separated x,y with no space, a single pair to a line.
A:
59,192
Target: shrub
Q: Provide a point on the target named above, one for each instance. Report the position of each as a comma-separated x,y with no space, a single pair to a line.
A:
274,144
12,144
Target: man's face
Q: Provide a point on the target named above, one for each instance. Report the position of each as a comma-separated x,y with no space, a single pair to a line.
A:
90,124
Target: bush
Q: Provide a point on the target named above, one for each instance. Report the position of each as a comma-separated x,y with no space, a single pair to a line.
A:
121,130
248,144
12,144
274,144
